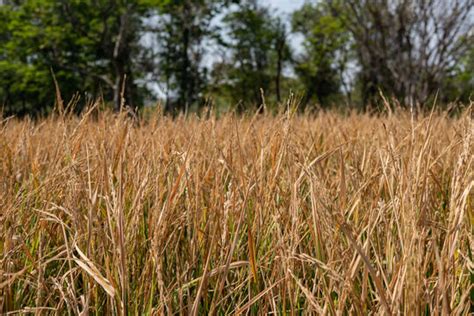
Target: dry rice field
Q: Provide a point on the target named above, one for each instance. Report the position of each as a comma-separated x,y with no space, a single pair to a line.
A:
326,214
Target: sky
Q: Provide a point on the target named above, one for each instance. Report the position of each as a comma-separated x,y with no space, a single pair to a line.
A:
285,6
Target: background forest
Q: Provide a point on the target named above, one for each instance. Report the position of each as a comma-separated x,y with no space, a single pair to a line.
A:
186,54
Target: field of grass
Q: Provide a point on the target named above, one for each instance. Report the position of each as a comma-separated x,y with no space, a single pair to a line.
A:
326,214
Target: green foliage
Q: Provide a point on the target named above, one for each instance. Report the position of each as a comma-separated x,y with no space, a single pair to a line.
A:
183,27
257,46
325,56
459,85
89,45
22,66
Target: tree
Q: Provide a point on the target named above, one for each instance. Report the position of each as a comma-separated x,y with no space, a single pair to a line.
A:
407,48
283,54
24,74
459,84
322,65
257,50
183,28
90,46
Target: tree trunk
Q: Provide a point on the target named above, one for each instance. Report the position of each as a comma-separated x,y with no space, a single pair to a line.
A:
186,79
279,68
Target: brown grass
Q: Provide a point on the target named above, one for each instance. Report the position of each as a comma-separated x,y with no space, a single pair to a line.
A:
329,214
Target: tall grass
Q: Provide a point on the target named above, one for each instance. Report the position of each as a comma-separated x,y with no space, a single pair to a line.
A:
328,214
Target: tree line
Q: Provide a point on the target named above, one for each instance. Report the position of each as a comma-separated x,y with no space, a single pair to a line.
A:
233,53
